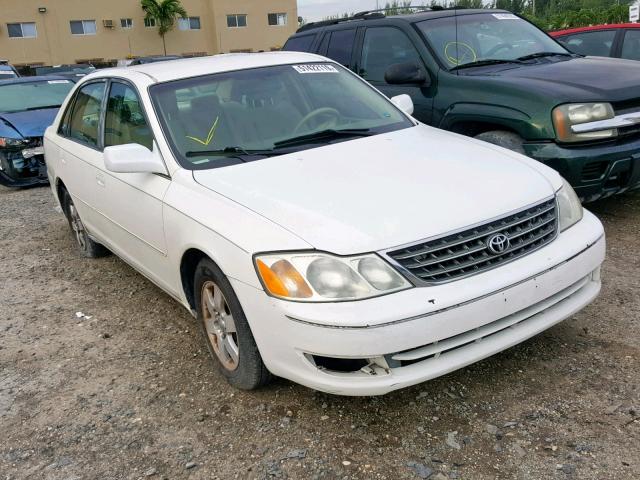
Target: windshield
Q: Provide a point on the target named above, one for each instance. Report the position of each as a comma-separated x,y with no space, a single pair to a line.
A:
485,36
6,74
79,69
33,95
264,109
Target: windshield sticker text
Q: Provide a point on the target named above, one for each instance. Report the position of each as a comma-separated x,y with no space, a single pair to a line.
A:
315,68
57,81
505,16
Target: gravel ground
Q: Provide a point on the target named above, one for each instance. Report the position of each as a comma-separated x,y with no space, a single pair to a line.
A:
128,391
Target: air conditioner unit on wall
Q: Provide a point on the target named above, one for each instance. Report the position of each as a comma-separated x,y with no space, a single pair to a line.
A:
107,23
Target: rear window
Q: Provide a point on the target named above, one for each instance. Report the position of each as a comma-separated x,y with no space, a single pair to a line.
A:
299,44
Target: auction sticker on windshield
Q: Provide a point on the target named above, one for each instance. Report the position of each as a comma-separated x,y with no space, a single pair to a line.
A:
315,68
506,16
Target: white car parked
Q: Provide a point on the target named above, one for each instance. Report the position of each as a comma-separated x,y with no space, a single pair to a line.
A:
315,229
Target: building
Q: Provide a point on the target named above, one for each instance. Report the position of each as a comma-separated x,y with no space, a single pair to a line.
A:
53,32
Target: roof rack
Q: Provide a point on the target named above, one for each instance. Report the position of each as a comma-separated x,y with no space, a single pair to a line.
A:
374,14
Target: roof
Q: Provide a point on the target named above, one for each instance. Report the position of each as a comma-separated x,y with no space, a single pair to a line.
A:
408,17
612,26
197,66
41,78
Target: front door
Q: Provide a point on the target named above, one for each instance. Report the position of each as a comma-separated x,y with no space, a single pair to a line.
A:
383,47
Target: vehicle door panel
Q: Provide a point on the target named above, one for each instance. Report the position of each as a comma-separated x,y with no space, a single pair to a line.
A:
132,202
384,46
80,157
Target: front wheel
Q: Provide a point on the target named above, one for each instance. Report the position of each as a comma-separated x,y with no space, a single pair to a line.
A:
226,330
502,138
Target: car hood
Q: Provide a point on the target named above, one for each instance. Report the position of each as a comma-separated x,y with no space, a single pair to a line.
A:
378,192
31,123
578,79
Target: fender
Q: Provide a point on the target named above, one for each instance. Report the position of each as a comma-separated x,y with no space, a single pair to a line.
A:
508,117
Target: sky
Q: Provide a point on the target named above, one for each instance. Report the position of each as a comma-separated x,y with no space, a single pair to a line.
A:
312,10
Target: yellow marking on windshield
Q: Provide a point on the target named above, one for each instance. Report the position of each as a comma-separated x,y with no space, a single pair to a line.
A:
458,60
210,135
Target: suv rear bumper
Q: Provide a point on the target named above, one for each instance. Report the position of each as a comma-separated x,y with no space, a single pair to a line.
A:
594,171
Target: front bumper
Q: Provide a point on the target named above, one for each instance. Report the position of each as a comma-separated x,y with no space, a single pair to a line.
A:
18,170
418,334
595,171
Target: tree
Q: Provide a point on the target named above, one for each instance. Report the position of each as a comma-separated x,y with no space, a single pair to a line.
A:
164,13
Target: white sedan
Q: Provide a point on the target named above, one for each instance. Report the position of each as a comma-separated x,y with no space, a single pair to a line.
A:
316,230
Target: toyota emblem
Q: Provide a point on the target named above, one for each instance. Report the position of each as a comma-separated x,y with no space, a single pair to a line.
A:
498,243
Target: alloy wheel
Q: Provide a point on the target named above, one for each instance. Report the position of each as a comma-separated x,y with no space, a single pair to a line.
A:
220,325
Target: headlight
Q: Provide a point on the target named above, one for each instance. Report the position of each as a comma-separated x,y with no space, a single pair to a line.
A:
12,142
321,277
565,116
569,206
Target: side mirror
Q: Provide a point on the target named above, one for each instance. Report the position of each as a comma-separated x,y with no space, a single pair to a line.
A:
132,158
404,103
408,73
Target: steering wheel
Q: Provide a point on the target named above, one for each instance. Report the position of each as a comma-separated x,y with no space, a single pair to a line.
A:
499,47
319,112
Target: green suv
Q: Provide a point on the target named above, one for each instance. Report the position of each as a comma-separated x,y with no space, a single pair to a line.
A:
492,75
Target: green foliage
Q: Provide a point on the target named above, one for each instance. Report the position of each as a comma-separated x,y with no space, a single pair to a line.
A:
165,13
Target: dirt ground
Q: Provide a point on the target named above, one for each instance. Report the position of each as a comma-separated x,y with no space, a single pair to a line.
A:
129,391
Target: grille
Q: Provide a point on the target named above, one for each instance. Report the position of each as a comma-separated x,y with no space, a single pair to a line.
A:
467,252
594,170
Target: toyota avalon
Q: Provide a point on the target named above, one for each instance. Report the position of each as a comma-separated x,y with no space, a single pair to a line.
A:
316,230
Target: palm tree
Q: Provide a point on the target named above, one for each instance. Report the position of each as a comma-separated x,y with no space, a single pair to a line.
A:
164,12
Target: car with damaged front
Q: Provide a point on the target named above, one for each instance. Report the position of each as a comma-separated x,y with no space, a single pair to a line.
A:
315,230
28,106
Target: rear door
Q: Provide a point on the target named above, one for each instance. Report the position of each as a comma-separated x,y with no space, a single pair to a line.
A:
81,155
383,46
338,45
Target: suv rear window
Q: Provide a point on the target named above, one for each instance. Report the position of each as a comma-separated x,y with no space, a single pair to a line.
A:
299,44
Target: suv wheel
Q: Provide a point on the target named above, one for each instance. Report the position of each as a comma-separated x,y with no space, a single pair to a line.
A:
88,248
502,138
226,330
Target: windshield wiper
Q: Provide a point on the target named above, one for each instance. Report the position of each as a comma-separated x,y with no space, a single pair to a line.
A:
229,152
41,108
323,135
544,54
480,63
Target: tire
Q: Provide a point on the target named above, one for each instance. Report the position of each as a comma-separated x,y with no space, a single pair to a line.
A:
88,248
502,138
226,330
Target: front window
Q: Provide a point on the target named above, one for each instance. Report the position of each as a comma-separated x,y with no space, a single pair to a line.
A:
272,110
277,19
189,23
83,27
22,30
79,70
33,95
465,39
236,20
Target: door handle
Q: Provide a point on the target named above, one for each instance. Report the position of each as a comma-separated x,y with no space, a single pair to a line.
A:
100,179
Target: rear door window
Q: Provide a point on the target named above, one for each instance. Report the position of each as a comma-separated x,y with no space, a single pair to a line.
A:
597,43
631,45
299,44
341,46
85,118
383,47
